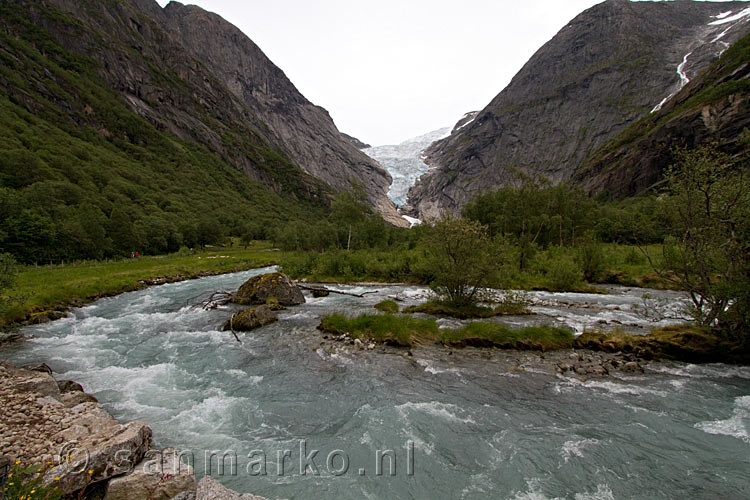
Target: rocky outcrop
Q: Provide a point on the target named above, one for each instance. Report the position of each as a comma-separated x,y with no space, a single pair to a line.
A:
261,289
210,489
253,318
78,444
713,108
161,476
607,68
357,143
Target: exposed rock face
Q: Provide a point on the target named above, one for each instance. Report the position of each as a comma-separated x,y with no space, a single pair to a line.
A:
36,424
39,428
260,289
193,74
357,143
610,66
304,130
161,476
634,161
253,318
210,489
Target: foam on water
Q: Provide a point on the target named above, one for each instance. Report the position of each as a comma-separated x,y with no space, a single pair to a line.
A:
736,426
575,448
478,430
436,409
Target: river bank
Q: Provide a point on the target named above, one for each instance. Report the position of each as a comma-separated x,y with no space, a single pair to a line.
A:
60,437
46,293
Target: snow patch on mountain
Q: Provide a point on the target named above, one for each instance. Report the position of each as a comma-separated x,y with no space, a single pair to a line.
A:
711,39
405,162
731,19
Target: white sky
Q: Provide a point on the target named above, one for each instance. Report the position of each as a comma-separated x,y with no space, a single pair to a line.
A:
394,69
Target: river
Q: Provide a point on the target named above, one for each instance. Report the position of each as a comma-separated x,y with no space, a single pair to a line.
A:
464,424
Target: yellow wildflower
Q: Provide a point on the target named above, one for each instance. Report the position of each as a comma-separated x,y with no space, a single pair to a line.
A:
18,462
90,472
33,491
57,478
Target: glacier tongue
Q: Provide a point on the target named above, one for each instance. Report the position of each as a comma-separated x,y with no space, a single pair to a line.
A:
404,162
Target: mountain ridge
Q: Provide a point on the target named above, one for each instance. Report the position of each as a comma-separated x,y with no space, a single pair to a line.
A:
608,67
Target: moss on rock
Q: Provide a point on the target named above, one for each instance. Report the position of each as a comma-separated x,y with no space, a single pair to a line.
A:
259,289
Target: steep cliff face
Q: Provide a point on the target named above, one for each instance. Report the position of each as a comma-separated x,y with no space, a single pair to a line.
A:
714,107
196,76
305,131
610,66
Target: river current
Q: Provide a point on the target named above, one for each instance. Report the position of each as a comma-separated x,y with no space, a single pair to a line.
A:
386,424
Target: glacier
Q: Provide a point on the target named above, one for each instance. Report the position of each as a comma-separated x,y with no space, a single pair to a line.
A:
405,162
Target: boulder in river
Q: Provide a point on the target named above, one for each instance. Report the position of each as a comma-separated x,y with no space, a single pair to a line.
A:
253,318
259,289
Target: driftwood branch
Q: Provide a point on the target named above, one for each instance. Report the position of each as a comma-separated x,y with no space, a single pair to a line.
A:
217,299
328,290
231,327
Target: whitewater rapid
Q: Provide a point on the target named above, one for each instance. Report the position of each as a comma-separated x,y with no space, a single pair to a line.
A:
480,424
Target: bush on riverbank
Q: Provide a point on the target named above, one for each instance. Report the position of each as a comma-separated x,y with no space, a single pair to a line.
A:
387,306
623,265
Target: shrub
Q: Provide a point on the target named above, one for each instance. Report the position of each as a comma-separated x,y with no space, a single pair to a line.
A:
387,306
564,274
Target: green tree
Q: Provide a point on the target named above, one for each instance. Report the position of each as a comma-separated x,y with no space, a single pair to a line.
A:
350,209
708,252
462,258
7,277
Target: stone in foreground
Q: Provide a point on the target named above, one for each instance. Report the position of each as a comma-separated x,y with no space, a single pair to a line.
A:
210,489
253,318
161,476
259,289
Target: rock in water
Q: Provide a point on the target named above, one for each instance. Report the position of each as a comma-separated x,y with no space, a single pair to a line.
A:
319,292
210,489
259,289
251,319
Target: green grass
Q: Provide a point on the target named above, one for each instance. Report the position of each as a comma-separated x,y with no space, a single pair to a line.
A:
387,306
387,328
441,308
43,289
481,334
404,331
688,343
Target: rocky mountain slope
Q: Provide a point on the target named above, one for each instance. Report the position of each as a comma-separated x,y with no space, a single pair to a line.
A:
610,66
713,107
193,75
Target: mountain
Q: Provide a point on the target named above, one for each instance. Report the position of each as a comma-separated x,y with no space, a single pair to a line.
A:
357,143
404,162
713,107
195,77
610,66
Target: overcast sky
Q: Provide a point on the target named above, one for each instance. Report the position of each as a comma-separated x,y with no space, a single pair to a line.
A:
394,69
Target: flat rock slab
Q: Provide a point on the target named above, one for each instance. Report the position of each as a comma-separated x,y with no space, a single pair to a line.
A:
160,476
210,489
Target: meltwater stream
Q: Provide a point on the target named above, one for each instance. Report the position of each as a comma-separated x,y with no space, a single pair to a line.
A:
477,428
